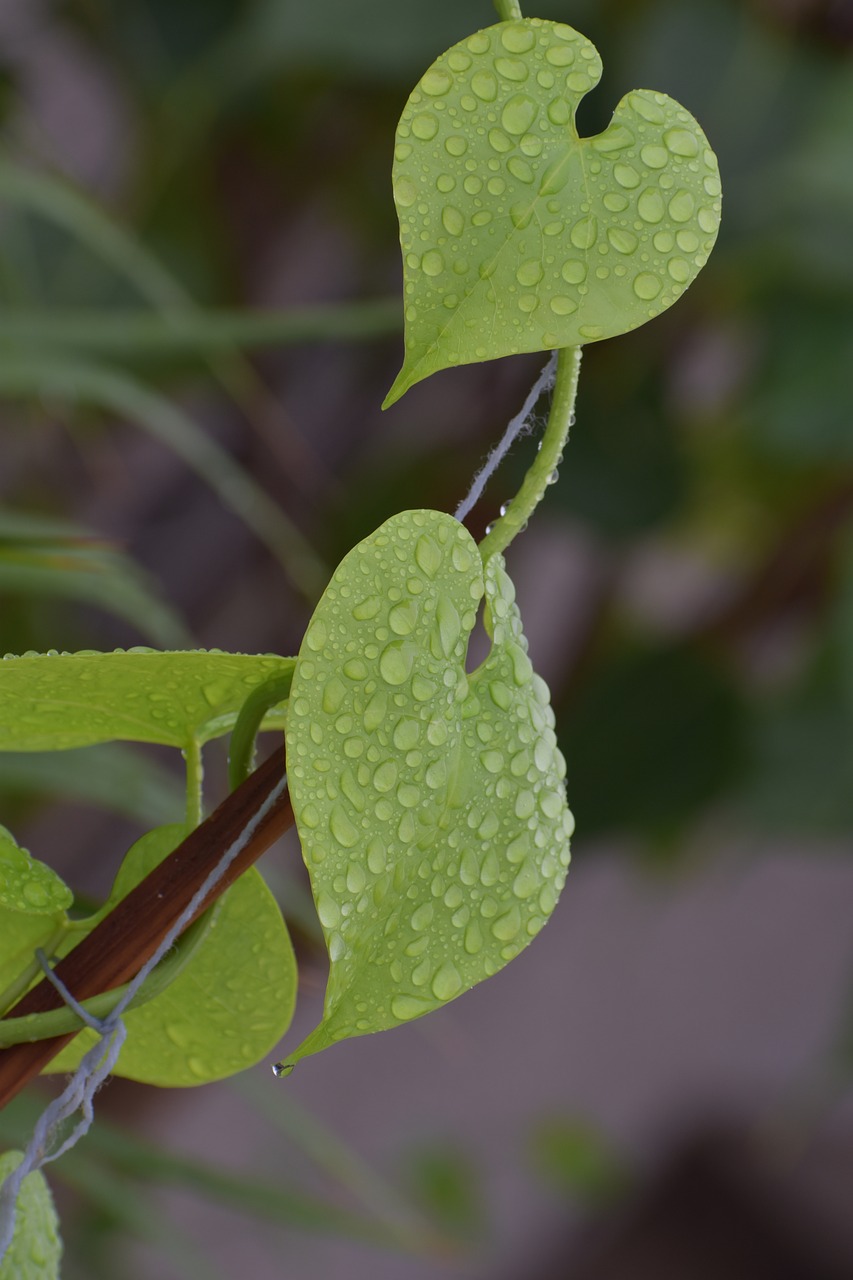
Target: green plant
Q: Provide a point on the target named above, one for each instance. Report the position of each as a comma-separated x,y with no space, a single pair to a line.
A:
429,799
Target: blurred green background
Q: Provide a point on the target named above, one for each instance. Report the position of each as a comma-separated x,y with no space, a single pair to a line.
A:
199,317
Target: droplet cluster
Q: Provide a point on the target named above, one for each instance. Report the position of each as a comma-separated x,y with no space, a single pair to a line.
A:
430,803
516,234
26,884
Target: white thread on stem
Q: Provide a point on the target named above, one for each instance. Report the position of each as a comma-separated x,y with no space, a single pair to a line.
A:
99,1061
520,425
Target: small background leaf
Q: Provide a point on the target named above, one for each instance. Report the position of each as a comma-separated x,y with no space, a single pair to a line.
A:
517,235
36,1247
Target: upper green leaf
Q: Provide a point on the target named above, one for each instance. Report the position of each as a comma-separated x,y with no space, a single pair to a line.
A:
517,235
430,803
50,702
228,1006
29,885
36,1247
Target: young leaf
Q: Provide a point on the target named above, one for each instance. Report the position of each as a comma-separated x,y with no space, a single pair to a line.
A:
231,1003
430,804
36,1247
517,235
29,885
20,934
51,702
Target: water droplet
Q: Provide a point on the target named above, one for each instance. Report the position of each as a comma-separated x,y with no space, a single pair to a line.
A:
449,624
563,306
679,269
708,220
403,617
654,157
528,880
456,144
507,926
622,241
583,234
484,84
520,169
343,830
529,273
395,662
645,108
647,286
517,38
437,82
375,711
445,183
650,205
425,126
473,940
688,241
376,856
681,206
385,776
447,982
512,69
458,60
355,669
422,917
681,142
405,192
328,910
626,175
408,795
427,555
560,55
519,114
579,81
432,263
405,1007
282,1069
615,138
334,693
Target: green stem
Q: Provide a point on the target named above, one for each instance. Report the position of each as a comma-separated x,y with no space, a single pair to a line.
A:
508,10
195,782
241,747
24,980
547,460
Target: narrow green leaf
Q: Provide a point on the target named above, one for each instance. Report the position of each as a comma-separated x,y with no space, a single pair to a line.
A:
229,1005
29,885
68,377
21,933
430,803
50,702
54,557
36,1247
518,235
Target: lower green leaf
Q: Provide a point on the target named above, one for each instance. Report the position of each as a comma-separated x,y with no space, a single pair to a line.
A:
27,884
36,1247
430,803
231,1003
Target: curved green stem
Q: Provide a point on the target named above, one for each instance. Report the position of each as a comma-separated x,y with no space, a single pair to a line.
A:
547,459
59,1022
508,10
12,994
241,747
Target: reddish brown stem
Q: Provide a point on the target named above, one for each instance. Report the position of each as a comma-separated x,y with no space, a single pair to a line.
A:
119,946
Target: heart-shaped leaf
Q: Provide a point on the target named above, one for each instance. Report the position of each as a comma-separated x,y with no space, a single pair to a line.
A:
29,885
430,803
231,1003
517,235
55,701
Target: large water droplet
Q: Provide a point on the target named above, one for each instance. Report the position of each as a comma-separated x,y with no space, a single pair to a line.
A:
647,286
654,157
395,662
583,234
517,38
518,114
342,829
425,126
437,82
432,263
681,142
512,69
452,220
484,84
405,1007
447,982
520,169
681,206
650,205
